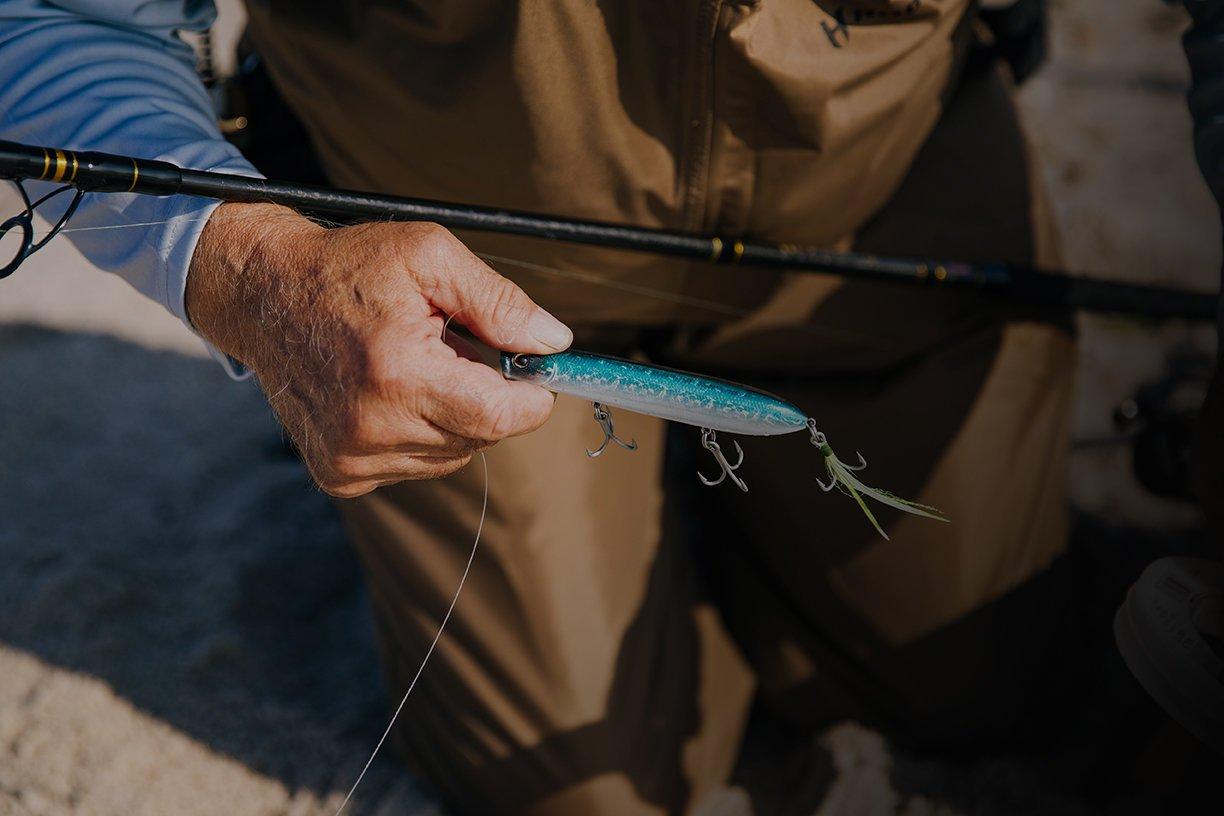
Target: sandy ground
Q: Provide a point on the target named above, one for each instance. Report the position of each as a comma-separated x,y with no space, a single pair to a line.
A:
182,627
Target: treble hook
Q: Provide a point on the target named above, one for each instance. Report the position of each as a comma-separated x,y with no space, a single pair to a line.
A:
604,417
708,441
821,443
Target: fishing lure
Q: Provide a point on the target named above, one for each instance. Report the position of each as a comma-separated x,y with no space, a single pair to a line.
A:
708,403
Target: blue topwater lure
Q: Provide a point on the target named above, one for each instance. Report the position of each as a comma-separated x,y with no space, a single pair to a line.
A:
707,403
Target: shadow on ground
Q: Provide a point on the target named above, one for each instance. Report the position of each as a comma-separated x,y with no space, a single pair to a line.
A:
154,534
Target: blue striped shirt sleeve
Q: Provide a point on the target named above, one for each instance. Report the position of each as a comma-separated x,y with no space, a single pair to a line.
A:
113,75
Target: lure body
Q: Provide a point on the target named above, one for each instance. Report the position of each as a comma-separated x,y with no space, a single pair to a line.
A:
707,403
680,396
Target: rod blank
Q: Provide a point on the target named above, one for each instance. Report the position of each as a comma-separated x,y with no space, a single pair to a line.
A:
104,172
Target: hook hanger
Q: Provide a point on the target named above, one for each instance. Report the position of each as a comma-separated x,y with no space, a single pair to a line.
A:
709,442
604,417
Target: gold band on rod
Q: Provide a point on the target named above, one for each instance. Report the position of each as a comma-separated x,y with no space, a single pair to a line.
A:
738,249
61,165
135,175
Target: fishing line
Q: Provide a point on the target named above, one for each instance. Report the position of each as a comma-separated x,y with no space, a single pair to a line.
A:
484,508
681,299
67,230
632,288
718,307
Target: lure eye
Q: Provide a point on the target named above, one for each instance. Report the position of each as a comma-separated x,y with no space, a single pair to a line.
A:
521,360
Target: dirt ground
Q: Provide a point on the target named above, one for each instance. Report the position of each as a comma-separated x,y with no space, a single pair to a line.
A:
183,629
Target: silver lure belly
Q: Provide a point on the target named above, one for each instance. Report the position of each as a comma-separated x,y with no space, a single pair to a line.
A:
704,402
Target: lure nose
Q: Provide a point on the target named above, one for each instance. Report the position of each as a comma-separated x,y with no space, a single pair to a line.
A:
521,366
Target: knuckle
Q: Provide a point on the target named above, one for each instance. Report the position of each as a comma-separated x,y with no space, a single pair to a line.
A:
505,305
387,255
434,231
431,240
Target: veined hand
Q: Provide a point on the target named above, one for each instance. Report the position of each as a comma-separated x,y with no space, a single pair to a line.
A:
344,329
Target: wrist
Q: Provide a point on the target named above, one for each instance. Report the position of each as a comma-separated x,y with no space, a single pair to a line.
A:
238,261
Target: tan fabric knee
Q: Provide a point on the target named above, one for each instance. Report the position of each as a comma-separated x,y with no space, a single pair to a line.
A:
576,658
1003,483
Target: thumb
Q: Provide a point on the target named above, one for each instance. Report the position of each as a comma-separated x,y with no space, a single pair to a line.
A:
495,309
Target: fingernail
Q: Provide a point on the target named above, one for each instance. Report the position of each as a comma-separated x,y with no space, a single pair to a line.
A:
549,330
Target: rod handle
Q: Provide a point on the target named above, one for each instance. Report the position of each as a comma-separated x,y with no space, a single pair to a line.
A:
89,170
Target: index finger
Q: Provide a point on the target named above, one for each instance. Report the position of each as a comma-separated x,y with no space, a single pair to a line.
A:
471,399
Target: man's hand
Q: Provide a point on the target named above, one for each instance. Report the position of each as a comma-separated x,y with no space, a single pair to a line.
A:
343,328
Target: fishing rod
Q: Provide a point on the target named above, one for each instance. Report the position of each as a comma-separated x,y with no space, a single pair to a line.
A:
89,171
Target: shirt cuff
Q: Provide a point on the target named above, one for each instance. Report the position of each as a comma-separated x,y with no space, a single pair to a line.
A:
178,242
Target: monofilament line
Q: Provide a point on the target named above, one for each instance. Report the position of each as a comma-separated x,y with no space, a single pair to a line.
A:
484,507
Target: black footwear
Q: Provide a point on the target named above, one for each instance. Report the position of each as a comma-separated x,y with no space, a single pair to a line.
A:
1170,631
